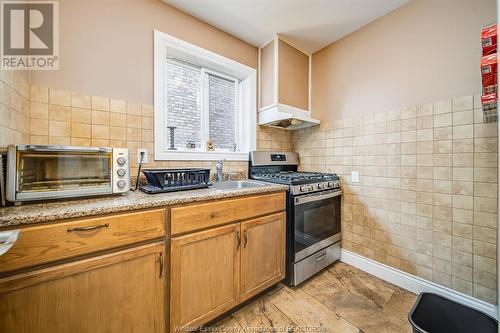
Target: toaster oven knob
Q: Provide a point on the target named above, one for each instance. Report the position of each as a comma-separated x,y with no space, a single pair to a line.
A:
121,172
121,184
121,161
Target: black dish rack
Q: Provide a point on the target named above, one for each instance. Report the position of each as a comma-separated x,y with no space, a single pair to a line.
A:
171,180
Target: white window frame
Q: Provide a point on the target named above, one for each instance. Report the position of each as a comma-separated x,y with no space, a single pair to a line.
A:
169,46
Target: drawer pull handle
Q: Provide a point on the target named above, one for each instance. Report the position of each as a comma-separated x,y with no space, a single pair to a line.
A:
321,257
105,225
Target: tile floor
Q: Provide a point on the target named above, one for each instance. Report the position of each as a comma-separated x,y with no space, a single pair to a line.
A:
337,300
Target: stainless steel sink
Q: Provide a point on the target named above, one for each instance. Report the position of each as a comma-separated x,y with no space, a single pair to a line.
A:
236,185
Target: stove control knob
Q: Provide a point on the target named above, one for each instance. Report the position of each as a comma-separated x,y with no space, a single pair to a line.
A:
302,189
121,161
321,186
121,184
121,172
330,184
310,188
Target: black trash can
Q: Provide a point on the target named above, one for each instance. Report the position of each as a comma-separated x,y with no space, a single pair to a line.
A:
432,313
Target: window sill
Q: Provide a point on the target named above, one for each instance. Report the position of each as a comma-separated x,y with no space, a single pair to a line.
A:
200,156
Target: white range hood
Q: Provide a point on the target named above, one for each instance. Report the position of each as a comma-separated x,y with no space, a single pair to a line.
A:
284,86
285,116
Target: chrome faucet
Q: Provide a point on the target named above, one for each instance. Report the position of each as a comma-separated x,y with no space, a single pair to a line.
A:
218,168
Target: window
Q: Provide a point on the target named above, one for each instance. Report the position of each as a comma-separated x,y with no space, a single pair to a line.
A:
201,97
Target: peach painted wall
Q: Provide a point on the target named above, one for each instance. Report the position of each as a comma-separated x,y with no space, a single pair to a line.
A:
106,46
425,51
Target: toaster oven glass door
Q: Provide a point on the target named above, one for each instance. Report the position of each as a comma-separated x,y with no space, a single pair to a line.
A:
43,171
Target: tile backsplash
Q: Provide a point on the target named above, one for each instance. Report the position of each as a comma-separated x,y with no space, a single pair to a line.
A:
425,203
14,108
426,200
62,117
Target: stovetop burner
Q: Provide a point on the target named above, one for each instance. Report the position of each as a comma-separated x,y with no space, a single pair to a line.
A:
281,168
295,177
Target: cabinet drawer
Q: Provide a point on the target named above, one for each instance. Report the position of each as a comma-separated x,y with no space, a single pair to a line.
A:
46,243
198,216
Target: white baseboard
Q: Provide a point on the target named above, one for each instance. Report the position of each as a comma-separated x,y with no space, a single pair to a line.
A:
413,283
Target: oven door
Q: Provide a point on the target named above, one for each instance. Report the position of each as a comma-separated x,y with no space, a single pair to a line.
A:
50,172
316,219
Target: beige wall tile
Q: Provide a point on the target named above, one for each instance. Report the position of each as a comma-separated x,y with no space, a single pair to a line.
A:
60,97
39,94
147,110
39,140
39,110
442,107
39,127
489,175
117,133
443,133
59,141
117,119
118,106
485,264
100,132
100,117
486,130
80,142
60,113
134,121
134,109
463,103
80,115
100,103
442,120
486,160
463,118
463,132
81,100
133,134
79,130
59,129
147,123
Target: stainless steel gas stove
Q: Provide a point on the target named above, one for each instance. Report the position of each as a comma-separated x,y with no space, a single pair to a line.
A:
313,212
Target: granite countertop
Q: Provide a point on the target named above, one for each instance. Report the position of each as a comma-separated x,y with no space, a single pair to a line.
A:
58,210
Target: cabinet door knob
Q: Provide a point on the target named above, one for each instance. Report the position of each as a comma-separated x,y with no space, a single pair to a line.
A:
245,239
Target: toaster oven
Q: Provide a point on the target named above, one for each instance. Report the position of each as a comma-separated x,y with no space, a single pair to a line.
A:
37,172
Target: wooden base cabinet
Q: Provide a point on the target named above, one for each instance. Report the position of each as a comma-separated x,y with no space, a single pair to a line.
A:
212,271
205,268
262,254
117,292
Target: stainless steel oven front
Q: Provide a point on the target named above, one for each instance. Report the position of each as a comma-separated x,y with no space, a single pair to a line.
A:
316,234
36,172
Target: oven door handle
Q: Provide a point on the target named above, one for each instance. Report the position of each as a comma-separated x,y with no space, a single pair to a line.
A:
316,197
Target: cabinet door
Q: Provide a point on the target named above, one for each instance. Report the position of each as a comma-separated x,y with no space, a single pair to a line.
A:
263,254
118,292
205,269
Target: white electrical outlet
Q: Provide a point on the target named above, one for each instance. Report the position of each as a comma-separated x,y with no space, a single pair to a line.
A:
355,176
145,158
